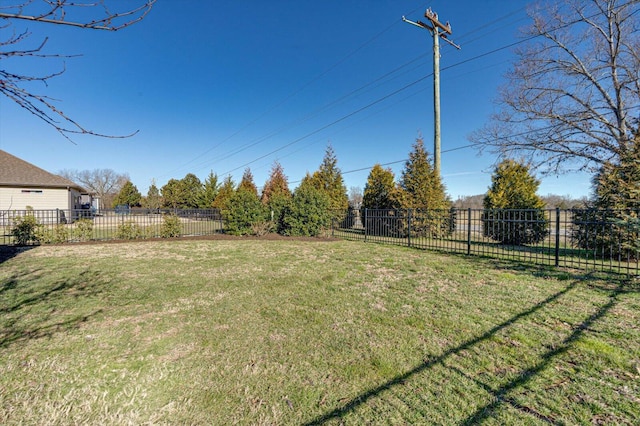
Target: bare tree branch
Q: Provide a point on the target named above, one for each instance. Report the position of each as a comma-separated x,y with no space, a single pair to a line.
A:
572,97
76,13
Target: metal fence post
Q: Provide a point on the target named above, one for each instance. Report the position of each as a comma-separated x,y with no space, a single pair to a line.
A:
365,224
557,254
469,231
408,227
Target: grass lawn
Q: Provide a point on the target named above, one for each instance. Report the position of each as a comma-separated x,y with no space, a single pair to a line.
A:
298,332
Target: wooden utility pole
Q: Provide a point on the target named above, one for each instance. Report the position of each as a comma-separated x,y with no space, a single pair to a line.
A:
437,29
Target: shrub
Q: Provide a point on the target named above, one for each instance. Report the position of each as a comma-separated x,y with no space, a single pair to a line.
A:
56,235
515,227
261,228
244,209
308,212
171,226
607,233
513,212
383,222
610,226
378,203
25,229
433,223
83,230
276,207
129,230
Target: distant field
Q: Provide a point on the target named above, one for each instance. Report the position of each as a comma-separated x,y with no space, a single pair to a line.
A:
252,331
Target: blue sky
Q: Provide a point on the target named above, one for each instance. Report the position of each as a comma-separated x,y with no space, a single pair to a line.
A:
221,86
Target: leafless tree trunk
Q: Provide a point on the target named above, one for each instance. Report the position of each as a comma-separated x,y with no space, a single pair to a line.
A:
572,99
88,14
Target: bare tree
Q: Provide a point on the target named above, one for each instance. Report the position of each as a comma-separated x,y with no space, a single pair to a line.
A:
355,197
104,183
87,14
572,98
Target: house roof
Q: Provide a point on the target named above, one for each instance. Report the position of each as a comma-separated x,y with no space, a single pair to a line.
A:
17,172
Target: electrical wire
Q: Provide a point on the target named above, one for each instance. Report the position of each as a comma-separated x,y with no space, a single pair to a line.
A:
293,94
377,101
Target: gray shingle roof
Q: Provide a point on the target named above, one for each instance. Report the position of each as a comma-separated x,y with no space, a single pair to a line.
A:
17,172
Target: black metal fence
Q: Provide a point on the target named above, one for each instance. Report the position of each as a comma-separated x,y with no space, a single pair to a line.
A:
582,239
61,226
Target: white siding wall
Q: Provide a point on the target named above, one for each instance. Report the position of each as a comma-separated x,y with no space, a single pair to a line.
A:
47,199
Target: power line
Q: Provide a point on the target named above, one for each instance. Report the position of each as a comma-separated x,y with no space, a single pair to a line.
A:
324,108
317,112
377,101
333,103
524,133
293,94
510,45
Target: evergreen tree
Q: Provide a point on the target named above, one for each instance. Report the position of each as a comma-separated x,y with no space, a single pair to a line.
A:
277,183
172,194
420,187
276,195
328,179
192,189
513,212
227,189
128,195
209,191
378,192
611,223
421,190
153,200
308,213
247,183
244,213
378,202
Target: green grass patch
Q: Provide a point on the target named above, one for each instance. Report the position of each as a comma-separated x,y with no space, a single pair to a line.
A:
293,332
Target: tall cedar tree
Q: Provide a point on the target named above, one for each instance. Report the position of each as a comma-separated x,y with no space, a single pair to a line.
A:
308,213
420,187
277,183
611,223
247,183
513,211
192,189
276,196
244,213
378,192
172,194
226,191
209,191
128,195
184,193
378,201
153,200
328,179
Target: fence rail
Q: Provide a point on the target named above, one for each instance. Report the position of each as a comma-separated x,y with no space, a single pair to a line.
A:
607,241
61,226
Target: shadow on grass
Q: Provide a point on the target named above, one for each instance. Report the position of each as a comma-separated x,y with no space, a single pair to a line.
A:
31,311
501,394
9,252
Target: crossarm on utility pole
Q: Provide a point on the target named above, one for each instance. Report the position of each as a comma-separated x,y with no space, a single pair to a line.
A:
434,29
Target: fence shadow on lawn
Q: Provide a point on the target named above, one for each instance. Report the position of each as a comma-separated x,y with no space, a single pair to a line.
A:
501,394
30,316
